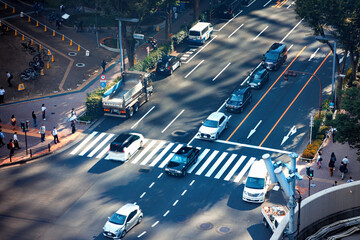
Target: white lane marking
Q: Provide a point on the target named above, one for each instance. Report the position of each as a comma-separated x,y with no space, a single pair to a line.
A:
236,166
342,59
170,156
290,47
194,68
251,4
313,55
222,105
200,158
267,3
291,30
216,164
201,49
252,131
250,74
83,143
192,139
192,182
159,157
144,151
244,170
261,32
103,152
207,162
226,165
133,126
172,121
253,146
221,71
101,145
156,223
174,204
235,31
186,55
142,195
142,234
230,20
157,148
92,144
152,184
165,214
183,193
160,175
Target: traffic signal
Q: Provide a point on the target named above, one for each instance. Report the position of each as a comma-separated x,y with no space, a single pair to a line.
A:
22,126
27,125
309,172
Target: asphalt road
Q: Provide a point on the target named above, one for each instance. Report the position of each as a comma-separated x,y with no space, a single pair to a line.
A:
69,195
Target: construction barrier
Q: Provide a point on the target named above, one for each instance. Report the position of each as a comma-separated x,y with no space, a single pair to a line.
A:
52,58
78,47
45,29
47,65
53,33
70,42
42,72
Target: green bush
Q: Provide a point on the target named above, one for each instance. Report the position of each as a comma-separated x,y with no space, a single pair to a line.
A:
180,37
312,149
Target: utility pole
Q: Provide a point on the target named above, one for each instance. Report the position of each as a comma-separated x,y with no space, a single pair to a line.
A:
311,126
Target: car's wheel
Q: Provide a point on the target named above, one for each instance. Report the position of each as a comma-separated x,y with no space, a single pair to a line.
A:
128,156
123,234
141,144
183,173
131,112
136,107
241,109
179,63
227,125
139,220
171,71
217,136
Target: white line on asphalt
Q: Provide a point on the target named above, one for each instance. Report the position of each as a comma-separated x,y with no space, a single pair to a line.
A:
226,165
143,152
342,59
157,148
222,105
160,175
290,47
250,74
170,156
236,166
252,146
235,31
172,121
167,212
101,145
142,234
83,143
313,55
192,182
251,4
244,170
152,184
159,157
174,204
291,30
207,162
183,193
267,3
89,146
200,158
103,152
221,71
216,164
142,118
260,32
192,139
156,223
201,49
142,195
194,68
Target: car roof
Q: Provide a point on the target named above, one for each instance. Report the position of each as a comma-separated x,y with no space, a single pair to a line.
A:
259,71
258,169
215,116
184,150
240,91
122,137
277,47
127,209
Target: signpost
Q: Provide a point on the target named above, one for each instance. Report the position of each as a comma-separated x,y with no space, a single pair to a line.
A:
138,36
103,81
148,50
311,125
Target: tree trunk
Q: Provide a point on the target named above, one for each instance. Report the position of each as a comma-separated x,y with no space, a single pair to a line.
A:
196,10
167,24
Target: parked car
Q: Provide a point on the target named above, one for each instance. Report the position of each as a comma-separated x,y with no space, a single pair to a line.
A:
225,11
258,77
122,221
125,146
239,99
168,64
182,160
213,126
275,56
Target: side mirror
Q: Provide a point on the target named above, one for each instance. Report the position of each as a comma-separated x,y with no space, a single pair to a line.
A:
108,217
202,122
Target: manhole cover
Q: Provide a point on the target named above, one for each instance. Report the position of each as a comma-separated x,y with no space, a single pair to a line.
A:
178,133
144,170
180,218
72,54
224,229
80,64
206,226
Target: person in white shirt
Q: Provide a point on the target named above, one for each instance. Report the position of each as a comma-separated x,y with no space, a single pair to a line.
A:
345,161
2,93
56,138
16,141
350,180
43,108
42,132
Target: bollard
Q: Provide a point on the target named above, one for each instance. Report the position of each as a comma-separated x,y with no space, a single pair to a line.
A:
39,47
63,37
21,14
87,53
79,48
52,58
53,33
42,72
29,20
37,23
70,42
13,10
49,53
0,23
15,33
7,28
23,37
32,42
47,65
5,5
45,29
30,153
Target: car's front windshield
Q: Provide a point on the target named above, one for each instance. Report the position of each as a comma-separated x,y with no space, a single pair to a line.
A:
179,159
235,98
255,183
256,76
117,219
271,56
211,123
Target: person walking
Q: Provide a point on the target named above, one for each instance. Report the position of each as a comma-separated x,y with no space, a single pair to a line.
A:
73,113
331,168
56,138
2,94
319,160
350,180
103,64
11,147
9,77
345,161
34,118
16,141
333,132
42,132
342,170
43,109
333,158
73,129
13,121
2,138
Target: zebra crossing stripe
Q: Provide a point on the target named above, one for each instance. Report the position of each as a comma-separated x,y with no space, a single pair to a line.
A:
216,164
92,144
207,162
101,145
147,159
144,151
103,152
170,156
161,154
81,145
244,170
236,166
200,158
226,165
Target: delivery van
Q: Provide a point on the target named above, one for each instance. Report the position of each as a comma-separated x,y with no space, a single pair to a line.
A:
200,32
257,183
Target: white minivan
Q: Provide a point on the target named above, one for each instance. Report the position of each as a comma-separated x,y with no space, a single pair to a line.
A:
257,183
200,32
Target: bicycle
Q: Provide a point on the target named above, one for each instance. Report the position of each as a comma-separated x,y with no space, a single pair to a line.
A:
29,74
28,48
42,55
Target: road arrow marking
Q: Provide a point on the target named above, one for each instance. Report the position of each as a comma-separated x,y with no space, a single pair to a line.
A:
313,55
254,129
291,132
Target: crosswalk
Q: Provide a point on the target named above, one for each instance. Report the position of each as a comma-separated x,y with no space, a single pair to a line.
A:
157,153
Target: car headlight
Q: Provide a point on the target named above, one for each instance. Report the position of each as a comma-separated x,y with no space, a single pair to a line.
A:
213,134
178,171
166,169
261,194
246,193
117,231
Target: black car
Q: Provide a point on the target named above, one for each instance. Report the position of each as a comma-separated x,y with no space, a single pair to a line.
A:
167,64
275,56
225,11
239,99
181,161
258,77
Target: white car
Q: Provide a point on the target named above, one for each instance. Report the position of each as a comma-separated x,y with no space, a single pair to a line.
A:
122,221
125,146
213,126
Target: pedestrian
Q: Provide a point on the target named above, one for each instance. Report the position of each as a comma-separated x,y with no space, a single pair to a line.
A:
42,132
2,93
13,121
103,64
345,161
319,160
55,135
43,109
335,184
73,113
73,129
16,141
9,77
331,167
333,132
2,138
34,118
62,8
11,147
342,170
350,180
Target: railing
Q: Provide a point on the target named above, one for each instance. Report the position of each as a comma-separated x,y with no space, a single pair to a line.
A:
30,154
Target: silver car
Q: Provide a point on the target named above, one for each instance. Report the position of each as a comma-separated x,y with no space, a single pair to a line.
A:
122,221
213,126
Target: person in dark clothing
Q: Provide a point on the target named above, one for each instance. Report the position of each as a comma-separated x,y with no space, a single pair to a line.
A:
73,129
342,170
103,64
9,77
331,167
34,118
11,146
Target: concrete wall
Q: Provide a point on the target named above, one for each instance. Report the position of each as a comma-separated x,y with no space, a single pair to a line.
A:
318,207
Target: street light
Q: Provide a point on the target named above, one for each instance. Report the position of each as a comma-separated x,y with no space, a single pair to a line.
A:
133,20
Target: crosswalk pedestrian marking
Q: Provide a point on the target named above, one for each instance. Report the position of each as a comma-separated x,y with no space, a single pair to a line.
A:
103,152
244,170
81,145
161,154
198,161
89,146
144,151
170,156
226,165
216,164
150,156
233,170
110,136
206,163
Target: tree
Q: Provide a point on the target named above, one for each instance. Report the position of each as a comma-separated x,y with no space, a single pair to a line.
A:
166,5
196,9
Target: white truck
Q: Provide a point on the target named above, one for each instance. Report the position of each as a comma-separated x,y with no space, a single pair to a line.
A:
273,215
125,97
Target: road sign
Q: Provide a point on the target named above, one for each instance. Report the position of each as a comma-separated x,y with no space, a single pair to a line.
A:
103,77
138,36
102,84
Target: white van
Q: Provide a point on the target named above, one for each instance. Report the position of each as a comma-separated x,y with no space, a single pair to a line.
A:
200,32
257,183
